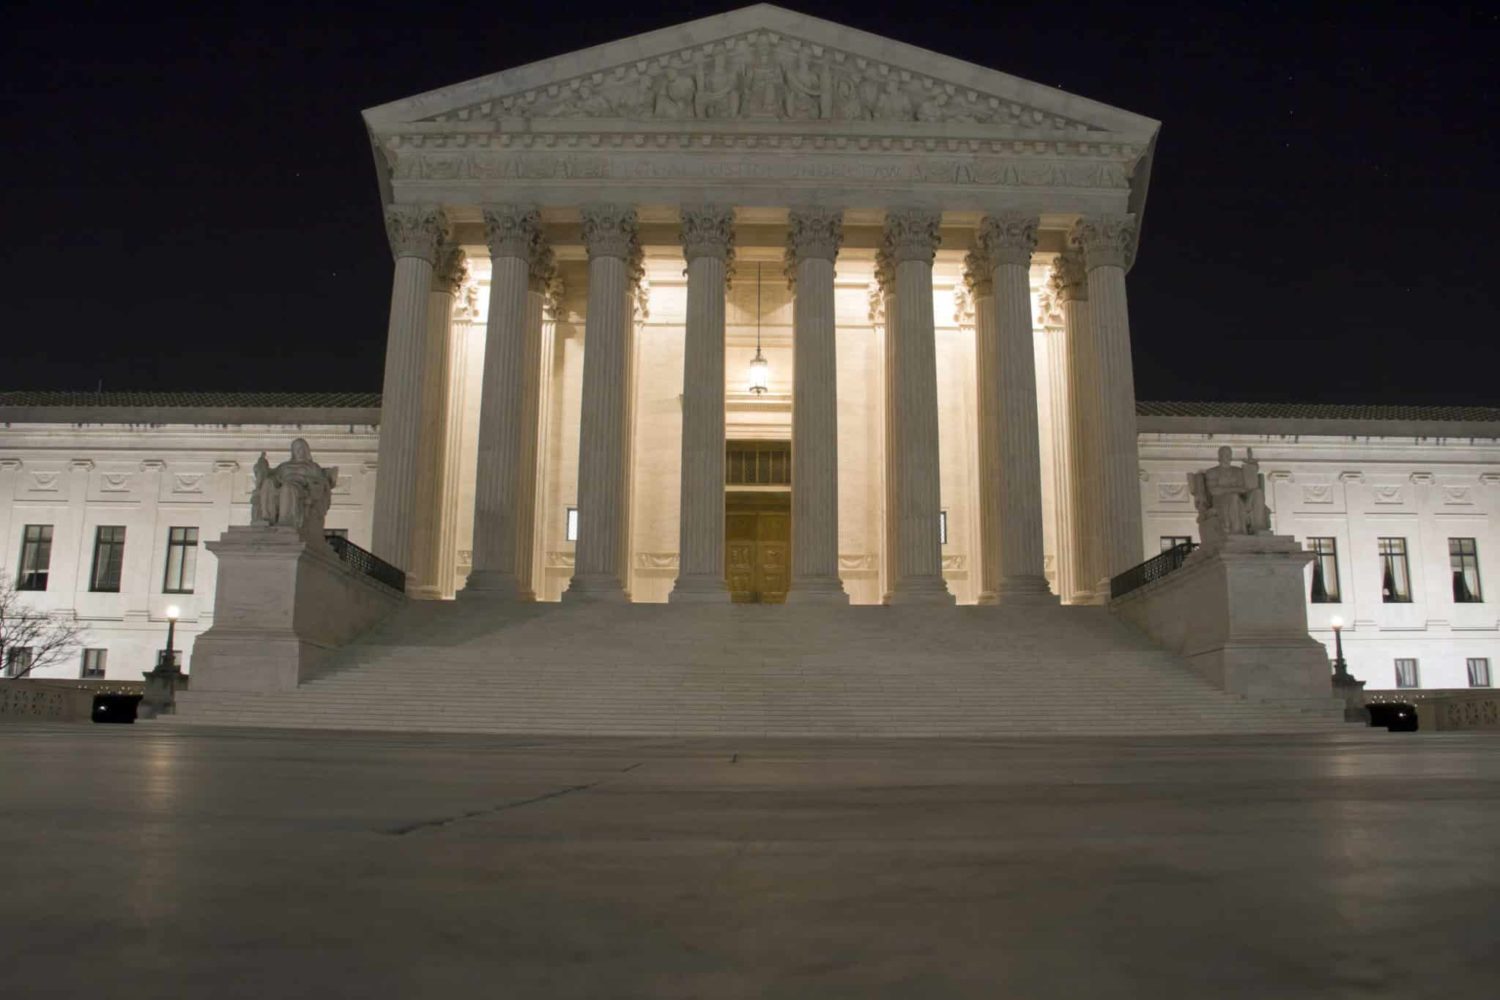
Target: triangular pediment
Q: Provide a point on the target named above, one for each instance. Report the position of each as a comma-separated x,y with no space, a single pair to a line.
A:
771,67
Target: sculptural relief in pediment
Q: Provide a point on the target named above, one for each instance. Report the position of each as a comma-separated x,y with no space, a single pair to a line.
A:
762,76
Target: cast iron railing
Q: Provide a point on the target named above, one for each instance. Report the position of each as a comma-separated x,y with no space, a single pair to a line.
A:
1151,570
371,565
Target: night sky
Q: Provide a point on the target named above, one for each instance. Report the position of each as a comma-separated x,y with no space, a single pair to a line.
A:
188,199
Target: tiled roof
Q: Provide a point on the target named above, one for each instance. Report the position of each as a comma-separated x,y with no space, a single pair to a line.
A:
202,400
1317,411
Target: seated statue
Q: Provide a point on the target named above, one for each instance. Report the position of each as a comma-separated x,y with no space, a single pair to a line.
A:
295,494
1231,500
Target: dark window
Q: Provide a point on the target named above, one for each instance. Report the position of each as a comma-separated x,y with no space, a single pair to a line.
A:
1463,557
942,527
1406,674
182,561
18,661
570,525
1395,586
1325,570
109,556
758,463
1479,672
36,557
93,662
336,532
1170,542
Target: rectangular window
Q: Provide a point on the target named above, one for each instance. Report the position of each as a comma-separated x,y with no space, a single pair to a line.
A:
109,557
1479,672
18,661
93,663
1170,542
182,561
1395,586
942,527
1325,570
336,533
570,525
1406,674
1463,557
36,557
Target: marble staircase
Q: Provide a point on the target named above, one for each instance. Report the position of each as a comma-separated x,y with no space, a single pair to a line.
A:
676,670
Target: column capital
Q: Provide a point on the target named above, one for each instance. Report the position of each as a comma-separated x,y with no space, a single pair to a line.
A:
1069,279
1105,240
707,231
450,269
610,231
416,230
1008,238
979,272
814,233
512,230
913,234
541,266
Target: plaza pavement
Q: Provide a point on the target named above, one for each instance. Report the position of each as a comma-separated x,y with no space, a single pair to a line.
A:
150,861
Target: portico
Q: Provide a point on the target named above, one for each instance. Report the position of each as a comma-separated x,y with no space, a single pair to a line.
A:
591,249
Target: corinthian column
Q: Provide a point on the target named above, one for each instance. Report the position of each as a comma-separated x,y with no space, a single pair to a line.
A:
528,466
1009,442
912,235
1108,245
432,449
415,233
812,244
1084,417
609,233
514,235
708,246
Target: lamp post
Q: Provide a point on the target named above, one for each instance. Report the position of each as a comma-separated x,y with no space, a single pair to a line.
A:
1344,684
1340,668
170,654
162,682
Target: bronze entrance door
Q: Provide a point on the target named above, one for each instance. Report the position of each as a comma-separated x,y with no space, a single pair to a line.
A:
758,546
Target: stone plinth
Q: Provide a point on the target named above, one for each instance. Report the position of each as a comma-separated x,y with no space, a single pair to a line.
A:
282,607
1238,615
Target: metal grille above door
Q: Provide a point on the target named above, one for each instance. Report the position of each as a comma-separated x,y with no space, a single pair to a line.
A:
758,463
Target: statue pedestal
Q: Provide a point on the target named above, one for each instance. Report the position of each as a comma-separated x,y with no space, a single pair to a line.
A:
282,607
1237,613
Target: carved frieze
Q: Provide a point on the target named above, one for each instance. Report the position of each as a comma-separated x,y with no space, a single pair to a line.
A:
764,76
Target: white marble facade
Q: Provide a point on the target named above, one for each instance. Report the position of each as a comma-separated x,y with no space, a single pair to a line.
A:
1355,479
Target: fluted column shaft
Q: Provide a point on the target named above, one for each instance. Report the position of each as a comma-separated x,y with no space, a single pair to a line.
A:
1009,444
812,245
515,240
1108,244
530,426
415,234
1085,429
913,237
609,232
1059,368
708,246
432,449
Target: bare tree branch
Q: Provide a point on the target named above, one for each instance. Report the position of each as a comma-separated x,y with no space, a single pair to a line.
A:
49,635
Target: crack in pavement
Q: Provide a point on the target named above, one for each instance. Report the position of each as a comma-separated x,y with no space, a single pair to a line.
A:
442,821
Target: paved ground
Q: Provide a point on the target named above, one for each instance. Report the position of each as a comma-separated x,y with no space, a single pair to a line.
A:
151,862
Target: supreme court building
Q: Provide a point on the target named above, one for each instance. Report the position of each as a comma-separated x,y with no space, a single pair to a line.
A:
752,299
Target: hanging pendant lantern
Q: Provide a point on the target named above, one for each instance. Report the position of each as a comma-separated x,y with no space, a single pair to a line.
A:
760,368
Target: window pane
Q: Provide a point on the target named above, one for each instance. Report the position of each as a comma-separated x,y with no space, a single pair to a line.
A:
182,561
1395,587
109,556
93,662
36,557
1479,672
1463,558
1406,673
570,529
17,661
1170,542
1325,575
